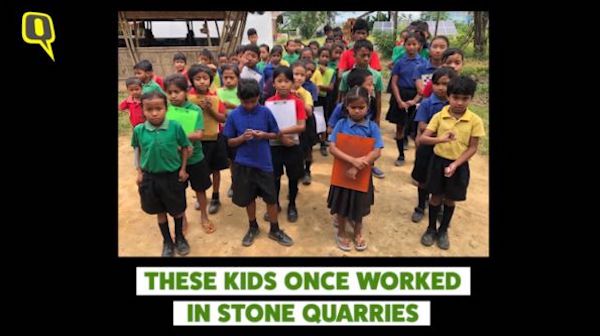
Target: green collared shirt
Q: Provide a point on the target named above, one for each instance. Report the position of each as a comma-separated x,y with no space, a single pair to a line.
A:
159,146
151,86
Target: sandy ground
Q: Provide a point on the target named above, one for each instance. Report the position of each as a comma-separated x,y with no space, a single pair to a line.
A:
388,229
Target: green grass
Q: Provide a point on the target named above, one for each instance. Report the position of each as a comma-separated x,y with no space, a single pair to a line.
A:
123,120
483,112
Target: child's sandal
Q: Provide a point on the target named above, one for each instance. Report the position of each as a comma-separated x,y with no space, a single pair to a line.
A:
343,243
359,243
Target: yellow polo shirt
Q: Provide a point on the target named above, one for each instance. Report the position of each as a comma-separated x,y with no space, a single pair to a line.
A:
467,126
305,96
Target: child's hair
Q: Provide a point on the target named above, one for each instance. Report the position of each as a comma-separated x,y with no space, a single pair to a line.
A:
248,88
239,49
360,24
298,64
323,49
231,67
421,26
340,45
441,37
286,71
208,54
416,36
326,29
314,43
441,72
252,48
363,44
179,57
266,46
307,63
357,76
337,30
462,85
251,32
133,81
305,49
299,41
144,65
277,49
222,54
329,39
178,80
196,69
452,51
287,43
355,93
153,94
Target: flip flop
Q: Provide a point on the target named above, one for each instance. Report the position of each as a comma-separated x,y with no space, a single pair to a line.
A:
360,244
340,245
208,227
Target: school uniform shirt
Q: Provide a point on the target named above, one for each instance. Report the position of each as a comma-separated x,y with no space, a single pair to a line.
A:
316,77
400,51
340,112
347,60
428,108
364,129
333,65
197,152
467,126
195,98
424,72
216,83
159,80
291,58
254,153
305,96
312,89
152,86
136,114
428,89
405,69
261,66
377,81
328,77
300,113
158,144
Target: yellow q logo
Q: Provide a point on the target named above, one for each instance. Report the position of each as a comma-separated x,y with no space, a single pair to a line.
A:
39,29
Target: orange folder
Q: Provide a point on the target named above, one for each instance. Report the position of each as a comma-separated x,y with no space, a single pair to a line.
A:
354,146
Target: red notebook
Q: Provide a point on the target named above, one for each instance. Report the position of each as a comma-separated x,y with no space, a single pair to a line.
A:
354,146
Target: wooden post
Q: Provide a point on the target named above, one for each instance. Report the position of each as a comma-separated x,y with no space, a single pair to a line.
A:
437,21
208,33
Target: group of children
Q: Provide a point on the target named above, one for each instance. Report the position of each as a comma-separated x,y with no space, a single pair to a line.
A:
196,122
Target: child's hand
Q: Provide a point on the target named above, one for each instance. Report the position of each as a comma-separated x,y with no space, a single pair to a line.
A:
287,140
205,104
329,130
140,177
183,175
411,102
351,173
190,150
449,136
248,135
403,105
259,134
449,171
359,163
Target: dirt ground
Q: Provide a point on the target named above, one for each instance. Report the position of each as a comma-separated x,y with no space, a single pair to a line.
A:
388,230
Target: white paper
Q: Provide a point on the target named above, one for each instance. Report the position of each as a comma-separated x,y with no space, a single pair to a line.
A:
248,73
284,112
320,119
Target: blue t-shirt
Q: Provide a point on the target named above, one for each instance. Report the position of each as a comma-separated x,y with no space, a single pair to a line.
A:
340,112
405,68
429,107
312,88
254,153
365,129
424,71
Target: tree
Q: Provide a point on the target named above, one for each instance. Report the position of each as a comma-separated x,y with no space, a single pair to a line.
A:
306,22
480,22
432,16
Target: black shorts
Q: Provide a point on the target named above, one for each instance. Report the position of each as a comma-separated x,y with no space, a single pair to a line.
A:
215,153
199,176
309,137
231,153
324,101
454,187
399,116
249,182
423,156
292,158
162,192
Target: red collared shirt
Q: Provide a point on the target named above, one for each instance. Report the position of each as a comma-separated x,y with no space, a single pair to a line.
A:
347,60
136,115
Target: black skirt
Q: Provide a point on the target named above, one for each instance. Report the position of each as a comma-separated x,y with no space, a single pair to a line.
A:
349,203
423,156
454,187
309,137
397,115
